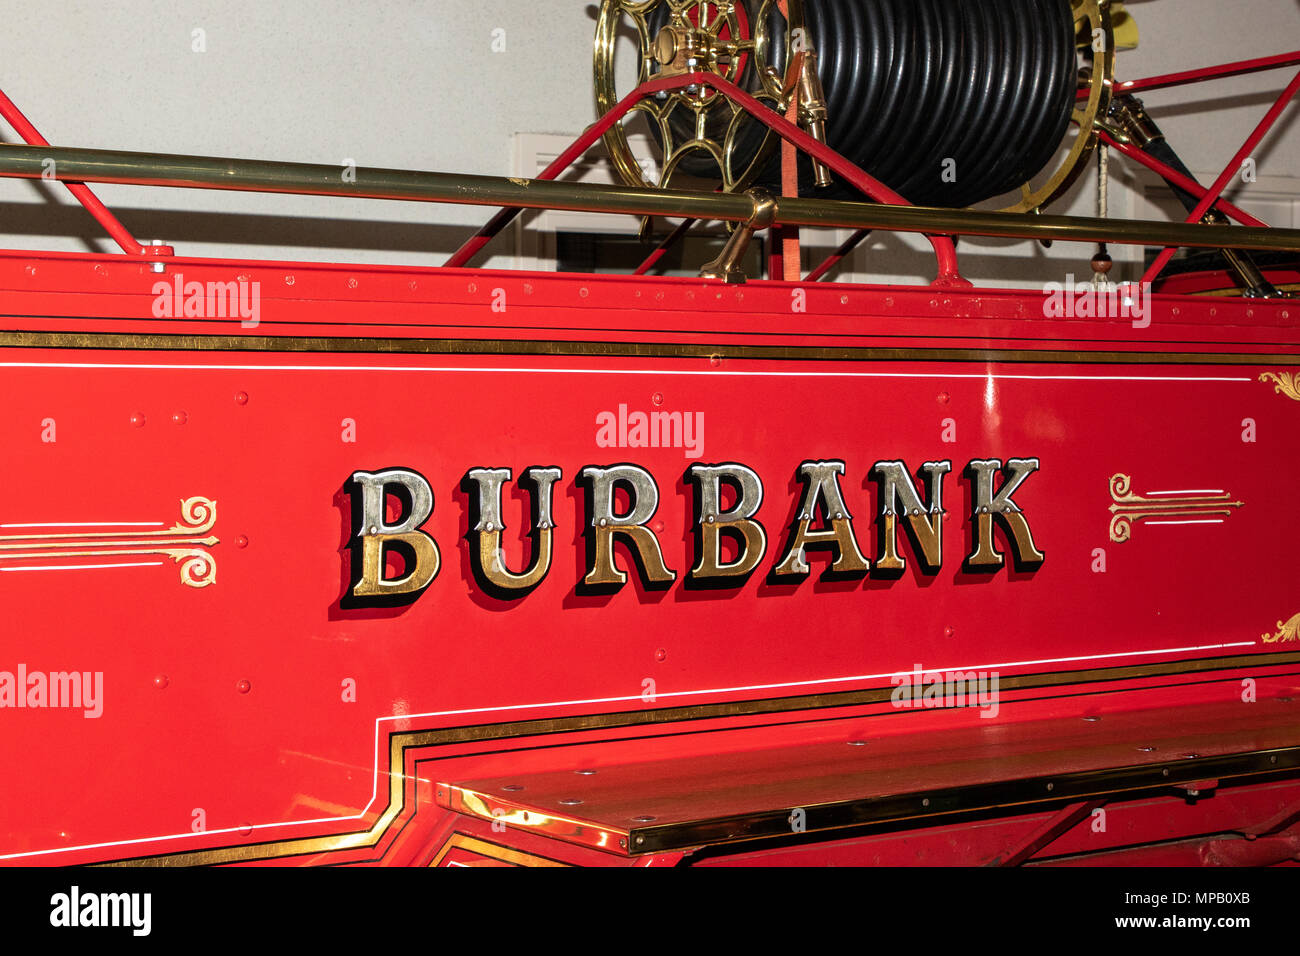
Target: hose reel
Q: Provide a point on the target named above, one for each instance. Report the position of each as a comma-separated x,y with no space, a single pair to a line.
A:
949,103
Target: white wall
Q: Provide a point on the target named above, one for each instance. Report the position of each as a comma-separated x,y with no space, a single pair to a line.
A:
416,84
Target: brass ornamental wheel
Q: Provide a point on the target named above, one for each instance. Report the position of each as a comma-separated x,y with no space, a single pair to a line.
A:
699,132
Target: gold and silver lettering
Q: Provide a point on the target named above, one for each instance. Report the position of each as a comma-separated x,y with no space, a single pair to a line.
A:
604,525
899,498
375,536
822,489
712,523
988,507
487,561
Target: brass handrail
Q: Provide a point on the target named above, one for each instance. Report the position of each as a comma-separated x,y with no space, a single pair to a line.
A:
74,164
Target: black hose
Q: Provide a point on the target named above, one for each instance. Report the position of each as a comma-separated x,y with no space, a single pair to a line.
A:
948,102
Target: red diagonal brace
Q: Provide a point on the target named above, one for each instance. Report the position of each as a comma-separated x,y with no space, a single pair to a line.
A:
1212,194
24,128
945,251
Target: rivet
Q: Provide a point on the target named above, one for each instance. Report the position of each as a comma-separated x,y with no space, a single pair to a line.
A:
570,802
839,516
1250,313
489,527
352,283
844,300
31,270
288,280
661,655
640,840
412,285
622,842
241,541
657,398
1192,756
1092,719
100,270
1272,759
889,302
925,802
949,631
374,530
1051,786
137,420
512,788
1164,773
161,681
659,526
715,360
857,743
243,686
603,522
473,287
241,398
179,418
585,773
709,519
1146,750
944,398
644,819
583,292
245,829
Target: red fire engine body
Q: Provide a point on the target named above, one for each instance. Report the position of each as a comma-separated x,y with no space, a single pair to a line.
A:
449,566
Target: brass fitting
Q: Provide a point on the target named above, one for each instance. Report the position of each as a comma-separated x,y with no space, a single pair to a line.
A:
727,266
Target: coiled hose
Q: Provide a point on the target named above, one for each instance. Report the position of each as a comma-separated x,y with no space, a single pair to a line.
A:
948,102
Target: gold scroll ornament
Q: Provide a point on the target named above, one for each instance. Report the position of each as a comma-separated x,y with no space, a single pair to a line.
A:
1287,631
1126,507
1286,383
184,542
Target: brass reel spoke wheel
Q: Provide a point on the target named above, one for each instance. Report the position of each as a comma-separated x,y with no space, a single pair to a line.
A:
698,132
949,103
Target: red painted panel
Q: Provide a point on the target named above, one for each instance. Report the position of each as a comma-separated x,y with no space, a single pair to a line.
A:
225,704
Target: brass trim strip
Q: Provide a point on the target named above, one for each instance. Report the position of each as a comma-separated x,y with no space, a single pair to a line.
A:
240,343
400,742
461,841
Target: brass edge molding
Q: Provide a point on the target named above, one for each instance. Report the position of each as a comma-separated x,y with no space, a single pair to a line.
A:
116,341
1286,383
1287,631
944,801
1127,508
493,851
399,743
